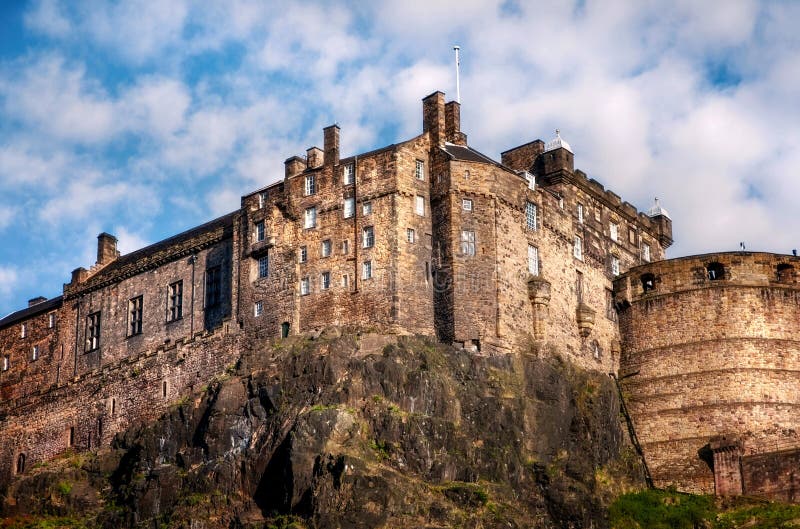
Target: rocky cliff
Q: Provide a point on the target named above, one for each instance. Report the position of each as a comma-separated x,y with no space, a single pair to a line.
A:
356,431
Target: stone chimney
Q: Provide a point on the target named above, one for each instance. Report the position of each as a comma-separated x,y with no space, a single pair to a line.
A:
522,158
294,166
314,157
331,144
433,117
106,248
452,124
36,301
79,275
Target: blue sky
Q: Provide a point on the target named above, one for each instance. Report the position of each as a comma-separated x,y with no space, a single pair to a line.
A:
144,118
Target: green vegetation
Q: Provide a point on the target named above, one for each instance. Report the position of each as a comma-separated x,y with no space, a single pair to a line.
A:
286,522
654,509
467,494
381,447
64,488
30,522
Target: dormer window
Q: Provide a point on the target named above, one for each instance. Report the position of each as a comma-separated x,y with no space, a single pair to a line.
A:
348,177
311,184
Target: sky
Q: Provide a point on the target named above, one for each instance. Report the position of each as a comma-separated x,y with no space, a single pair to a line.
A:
145,118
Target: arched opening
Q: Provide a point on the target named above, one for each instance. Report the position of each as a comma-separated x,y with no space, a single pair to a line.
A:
785,273
715,271
20,463
648,282
285,329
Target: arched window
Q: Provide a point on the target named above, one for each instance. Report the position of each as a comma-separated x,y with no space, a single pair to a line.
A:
715,271
785,273
648,282
20,463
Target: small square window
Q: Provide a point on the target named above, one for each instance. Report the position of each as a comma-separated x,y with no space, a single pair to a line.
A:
366,208
326,248
419,170
325,280
305,286
348,177
366,270
258,308
411,235
466,204
419,205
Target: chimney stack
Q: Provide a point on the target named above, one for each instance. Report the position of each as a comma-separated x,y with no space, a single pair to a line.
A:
452,124
313,157
36,301
331,144
433,118
106,248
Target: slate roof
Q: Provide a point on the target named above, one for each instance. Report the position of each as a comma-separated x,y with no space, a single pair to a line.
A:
24,314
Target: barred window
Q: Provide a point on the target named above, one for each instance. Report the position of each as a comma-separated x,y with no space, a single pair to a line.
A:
530,215
468,243
533,260
135,316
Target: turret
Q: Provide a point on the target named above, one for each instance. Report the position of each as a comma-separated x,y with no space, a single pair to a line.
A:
662,219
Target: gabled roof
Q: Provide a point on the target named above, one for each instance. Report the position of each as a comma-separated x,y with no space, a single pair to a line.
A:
24,314
468,154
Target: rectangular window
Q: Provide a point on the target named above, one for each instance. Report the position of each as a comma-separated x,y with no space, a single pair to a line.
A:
349,174
175,301
613,231
303,254
325,250
530,179
419,170
311,184
6,362
646,252
261,231
411,235
611,312
92,331
579,286
366,208
466,204
262,199
631,236
366,270
258,308
345,281
135,316
35,353
305,286
325,280
467,243
577,249
213,286
368,237
561,202
614,265
349,207
533,260
580,213
345,247
263,266
530,215
51,320
310,218
23,330
419,205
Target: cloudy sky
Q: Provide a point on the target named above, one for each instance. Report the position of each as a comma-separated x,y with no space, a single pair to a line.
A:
144,118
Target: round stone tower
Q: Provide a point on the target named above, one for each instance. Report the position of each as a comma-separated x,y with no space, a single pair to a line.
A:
710,352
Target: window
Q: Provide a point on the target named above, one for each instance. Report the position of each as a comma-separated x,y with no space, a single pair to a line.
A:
305,286
35,353
648,282
646,253
614,265
135,316
533,260
6,362
530,215
303,254
71,438
325,280
631,236
530,179
258,308
263,266
51,320
580,213
419,205
23,330
468,243
419,170
345,247
579,286
366,208
325,251
366,270
611,312
466,174
21,464
175,301
715,271
577,249
285,329
345,281
262,199
561,202
411,235
785,273
466,204
349,207
260,231
348,177
613,231
213,286
311,184
92,331
164,389
368,237
310,218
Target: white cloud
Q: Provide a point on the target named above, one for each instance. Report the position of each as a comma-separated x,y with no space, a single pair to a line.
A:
48,18
8,280
129,241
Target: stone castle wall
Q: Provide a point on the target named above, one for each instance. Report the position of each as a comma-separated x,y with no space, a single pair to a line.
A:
705,357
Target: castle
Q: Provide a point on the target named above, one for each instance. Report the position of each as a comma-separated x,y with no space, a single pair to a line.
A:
425,236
